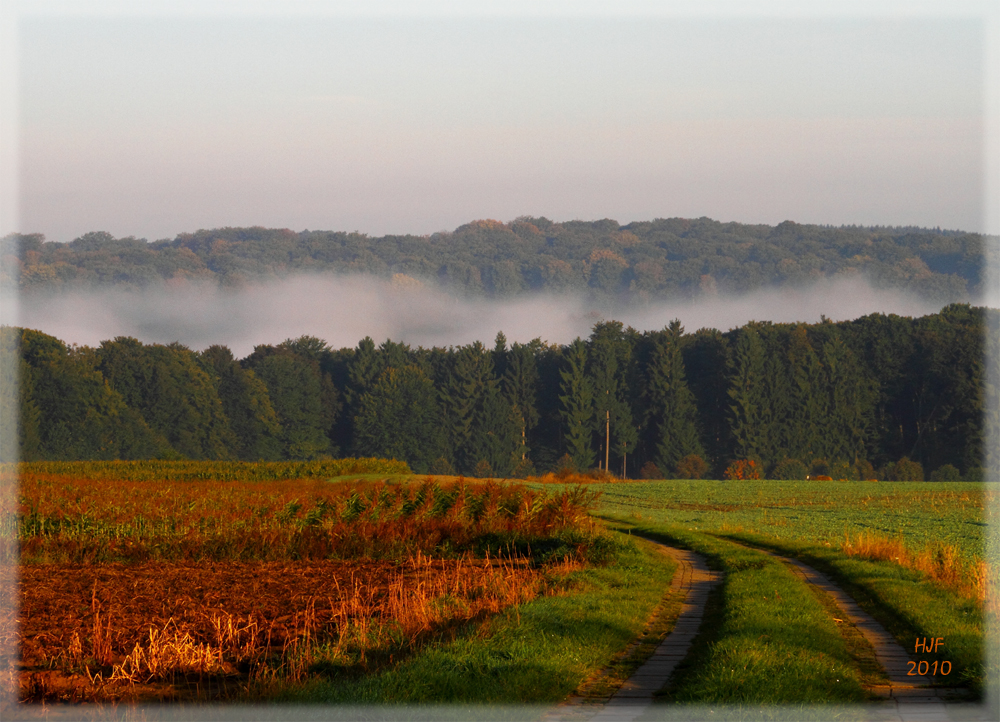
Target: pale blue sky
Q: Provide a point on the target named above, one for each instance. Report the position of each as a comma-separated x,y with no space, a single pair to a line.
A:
166,123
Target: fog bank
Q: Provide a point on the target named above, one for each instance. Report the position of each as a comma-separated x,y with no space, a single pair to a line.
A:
343,310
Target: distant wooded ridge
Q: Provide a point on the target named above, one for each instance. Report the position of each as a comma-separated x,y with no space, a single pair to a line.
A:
632,263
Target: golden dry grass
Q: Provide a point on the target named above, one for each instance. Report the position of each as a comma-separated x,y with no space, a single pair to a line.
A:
941,563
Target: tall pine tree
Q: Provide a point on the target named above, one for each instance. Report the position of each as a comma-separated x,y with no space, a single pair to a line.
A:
609,360
748,394
520,382
577,400
399,418
671,404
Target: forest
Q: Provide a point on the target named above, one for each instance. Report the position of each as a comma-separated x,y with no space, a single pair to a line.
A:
881,396
601,260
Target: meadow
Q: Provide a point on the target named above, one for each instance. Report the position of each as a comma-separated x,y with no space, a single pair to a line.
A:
938,529
950,514
913,555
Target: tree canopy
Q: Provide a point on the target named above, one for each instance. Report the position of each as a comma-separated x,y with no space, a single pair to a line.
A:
850,398
633,263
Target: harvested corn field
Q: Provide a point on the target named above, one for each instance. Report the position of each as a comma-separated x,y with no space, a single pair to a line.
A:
230,590
224,629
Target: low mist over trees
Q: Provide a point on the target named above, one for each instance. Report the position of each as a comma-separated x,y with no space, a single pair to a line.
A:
887,395
602,260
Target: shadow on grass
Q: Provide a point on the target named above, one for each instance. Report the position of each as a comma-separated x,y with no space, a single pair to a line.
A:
902,601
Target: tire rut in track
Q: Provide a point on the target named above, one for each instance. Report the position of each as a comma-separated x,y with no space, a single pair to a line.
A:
891,656
693,581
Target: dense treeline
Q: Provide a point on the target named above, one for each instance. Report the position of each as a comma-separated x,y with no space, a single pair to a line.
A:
886,395
631,263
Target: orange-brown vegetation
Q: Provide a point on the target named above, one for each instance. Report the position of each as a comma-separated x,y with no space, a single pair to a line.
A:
62,519
649,471
168,629
742,469
217,589
942,563
570,476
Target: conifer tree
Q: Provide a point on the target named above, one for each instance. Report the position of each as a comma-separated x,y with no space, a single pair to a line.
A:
809,408
363,372
72,412
609,357
851,401
705,353
577,399
496,437
748,394
317,353
399,418
395,354
174,394
779,408
672,408
471,387
247,405
500,354
295,388
519,386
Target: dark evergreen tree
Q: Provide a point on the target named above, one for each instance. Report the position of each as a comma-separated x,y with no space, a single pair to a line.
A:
462,398
295,389
500,355
705,355
364,370
317,353
20,417
671,404
828,395
396,355
496,437
577,400
886,345
748,393
68,411
520,382
482,423
247,405
851,397
949,364
990,455
609,355
806,435
399,418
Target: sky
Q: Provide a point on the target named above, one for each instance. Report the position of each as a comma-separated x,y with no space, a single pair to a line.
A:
419,117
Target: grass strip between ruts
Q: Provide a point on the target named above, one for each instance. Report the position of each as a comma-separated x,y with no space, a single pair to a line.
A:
906,603
537,653
766,638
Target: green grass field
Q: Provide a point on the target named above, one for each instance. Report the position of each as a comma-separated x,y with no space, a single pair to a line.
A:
811,521
820,511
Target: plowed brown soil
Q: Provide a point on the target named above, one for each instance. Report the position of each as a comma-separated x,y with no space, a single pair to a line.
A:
80,624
